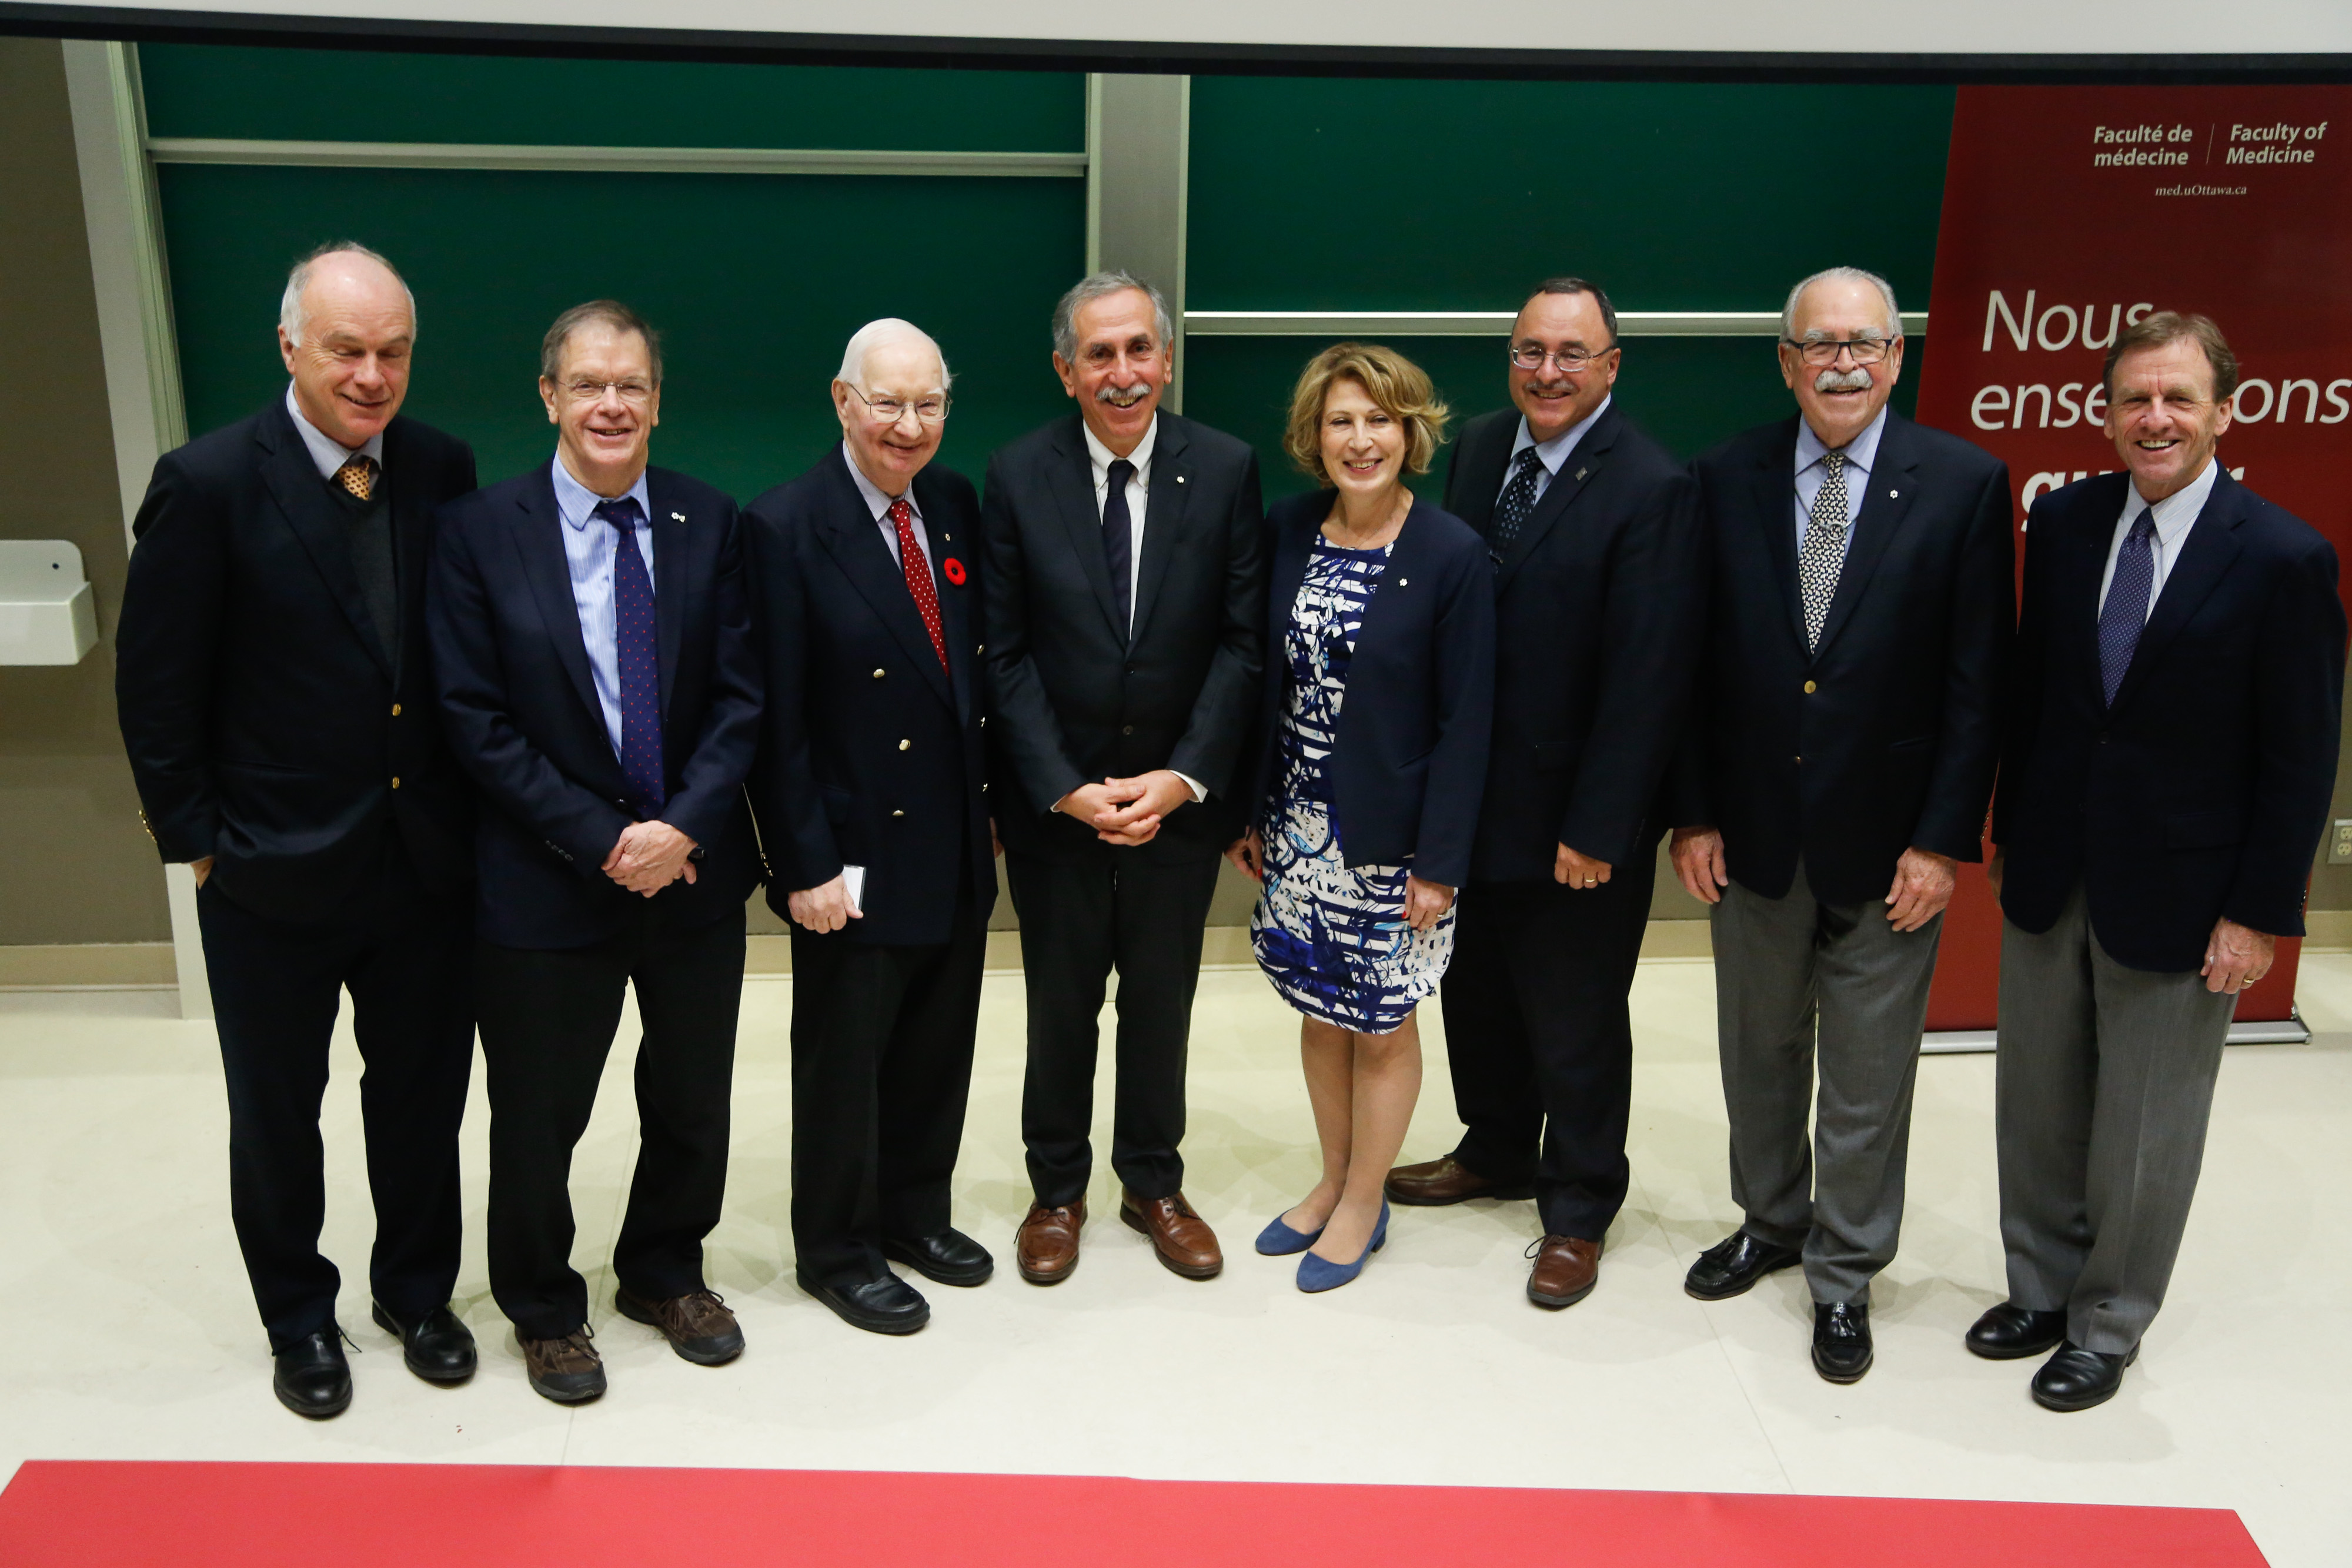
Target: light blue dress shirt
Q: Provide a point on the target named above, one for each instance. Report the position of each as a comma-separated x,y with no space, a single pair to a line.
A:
879,505
328,455
1549,454
1861,453
588,543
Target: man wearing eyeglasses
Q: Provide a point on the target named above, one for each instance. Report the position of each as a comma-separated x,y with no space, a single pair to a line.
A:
871,796
591,636
1589,526
1837,765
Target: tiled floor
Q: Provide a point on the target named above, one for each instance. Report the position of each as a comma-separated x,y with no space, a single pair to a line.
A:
130,1332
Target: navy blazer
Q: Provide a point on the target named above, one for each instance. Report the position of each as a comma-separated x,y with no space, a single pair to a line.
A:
520,704
1885,737
264,721
870,754
1409,762
2203,791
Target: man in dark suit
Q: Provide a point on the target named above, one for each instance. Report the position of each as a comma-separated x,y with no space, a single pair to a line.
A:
1841,752
1125,570
592,633
276,700
870,796
2179,678
1590,526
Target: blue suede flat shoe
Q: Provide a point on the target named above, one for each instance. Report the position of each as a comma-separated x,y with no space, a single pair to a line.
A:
1321,1275
1278,1240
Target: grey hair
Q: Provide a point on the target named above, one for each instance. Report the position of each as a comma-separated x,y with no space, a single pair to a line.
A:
1099,286
888,330
292,317
1843,275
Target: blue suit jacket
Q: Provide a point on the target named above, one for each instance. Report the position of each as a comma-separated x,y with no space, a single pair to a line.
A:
519,705
2203,791
1409,763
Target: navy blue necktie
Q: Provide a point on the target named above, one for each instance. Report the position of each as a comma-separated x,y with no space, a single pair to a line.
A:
2125,613
638,646
1516,506
1118,540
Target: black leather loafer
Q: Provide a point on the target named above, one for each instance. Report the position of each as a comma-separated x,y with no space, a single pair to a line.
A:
948,1256
2012,1333
436,1346
2076,1379
886,1305
311,1377
1842,1352
1733,1265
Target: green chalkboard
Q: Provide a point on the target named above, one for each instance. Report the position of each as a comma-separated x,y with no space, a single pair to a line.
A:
755,282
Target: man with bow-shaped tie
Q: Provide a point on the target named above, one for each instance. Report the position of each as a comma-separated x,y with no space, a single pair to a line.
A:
2179,673
871,796
592,633
1845,725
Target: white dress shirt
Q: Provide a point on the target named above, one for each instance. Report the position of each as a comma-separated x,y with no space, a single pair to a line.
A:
588,545
327,454
1549,454
1139,492
879,504
2175,516
1860,457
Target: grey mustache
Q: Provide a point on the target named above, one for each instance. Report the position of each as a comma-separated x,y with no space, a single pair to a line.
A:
1856,380
1122,397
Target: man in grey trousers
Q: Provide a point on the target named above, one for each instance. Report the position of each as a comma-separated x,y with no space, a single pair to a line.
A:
1845,727
2178,675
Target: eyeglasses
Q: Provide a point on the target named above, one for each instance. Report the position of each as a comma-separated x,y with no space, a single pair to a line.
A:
1571,359
1823,352
633,392
890,409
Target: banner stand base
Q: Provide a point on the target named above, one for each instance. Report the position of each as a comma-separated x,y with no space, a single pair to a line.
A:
2289,1030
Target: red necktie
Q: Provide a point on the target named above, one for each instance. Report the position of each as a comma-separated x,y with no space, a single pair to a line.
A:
919,578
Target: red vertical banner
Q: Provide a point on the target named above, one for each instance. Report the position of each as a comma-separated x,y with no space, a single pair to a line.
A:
2070,211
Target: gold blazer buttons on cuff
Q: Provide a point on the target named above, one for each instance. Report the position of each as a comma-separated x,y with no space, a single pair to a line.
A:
906,746
395,781
877,675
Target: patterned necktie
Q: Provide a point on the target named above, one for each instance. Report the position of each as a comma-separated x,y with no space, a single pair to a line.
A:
1119,542
1823,555
2125,614
358,477
637,645
1516,505
919,578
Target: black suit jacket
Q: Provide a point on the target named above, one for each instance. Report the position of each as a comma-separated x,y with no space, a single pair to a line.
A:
519,703
1409,757
1075,698
1886,737
2203,791
264,721
1597,626
870,754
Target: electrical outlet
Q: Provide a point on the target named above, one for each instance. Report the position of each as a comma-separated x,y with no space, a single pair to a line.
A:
2340,842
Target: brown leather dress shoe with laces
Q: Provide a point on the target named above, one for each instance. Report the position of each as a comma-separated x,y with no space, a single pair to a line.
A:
566,1370
698,1324
1181,1237
1046,1249
1566,1267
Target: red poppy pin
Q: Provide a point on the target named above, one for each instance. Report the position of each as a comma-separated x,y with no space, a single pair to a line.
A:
954,569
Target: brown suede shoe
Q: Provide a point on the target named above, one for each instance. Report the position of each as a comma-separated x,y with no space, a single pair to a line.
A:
1046,1248
1434,1183
698,1324
1566,1267
567,1370
1181,1237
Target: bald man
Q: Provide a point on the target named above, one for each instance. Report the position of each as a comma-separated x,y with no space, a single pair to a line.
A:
871,793
275,697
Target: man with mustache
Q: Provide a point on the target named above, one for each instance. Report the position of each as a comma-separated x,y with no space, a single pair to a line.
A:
1123,600
1840,755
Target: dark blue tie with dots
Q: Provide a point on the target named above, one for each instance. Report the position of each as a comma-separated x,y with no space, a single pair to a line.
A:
637,645
2125,613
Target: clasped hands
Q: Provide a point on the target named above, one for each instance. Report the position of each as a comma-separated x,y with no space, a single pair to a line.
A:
1127,811
1923,885
1425,902
648,857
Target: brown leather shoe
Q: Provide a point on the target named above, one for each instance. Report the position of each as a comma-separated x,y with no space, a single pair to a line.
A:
567,1370
1046,1248
1434,1183
1566,1267
1181,1237
698,1324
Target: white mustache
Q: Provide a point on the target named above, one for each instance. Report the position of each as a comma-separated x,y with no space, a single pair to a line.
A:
1856,380
1123,397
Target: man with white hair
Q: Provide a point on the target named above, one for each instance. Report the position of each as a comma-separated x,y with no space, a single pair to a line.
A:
1840,754
871,796
276,703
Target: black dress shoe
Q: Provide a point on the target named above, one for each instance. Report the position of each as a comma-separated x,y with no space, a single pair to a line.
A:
1841,1351
2012,1333
436,1346
1733,1265
311,1377
948,1256
2076,1379
886,1305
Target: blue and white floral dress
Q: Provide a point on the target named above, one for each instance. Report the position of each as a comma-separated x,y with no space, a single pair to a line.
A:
1332,937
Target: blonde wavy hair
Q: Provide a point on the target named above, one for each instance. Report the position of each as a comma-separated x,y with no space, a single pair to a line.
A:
1402,388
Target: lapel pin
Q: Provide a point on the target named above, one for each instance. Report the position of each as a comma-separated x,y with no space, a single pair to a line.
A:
677,516
1180,478
1580,472
1891,494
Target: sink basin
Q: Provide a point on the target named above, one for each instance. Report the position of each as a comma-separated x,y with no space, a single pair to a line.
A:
46,613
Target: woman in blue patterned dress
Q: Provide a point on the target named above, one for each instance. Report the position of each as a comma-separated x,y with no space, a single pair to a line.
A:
1378,691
